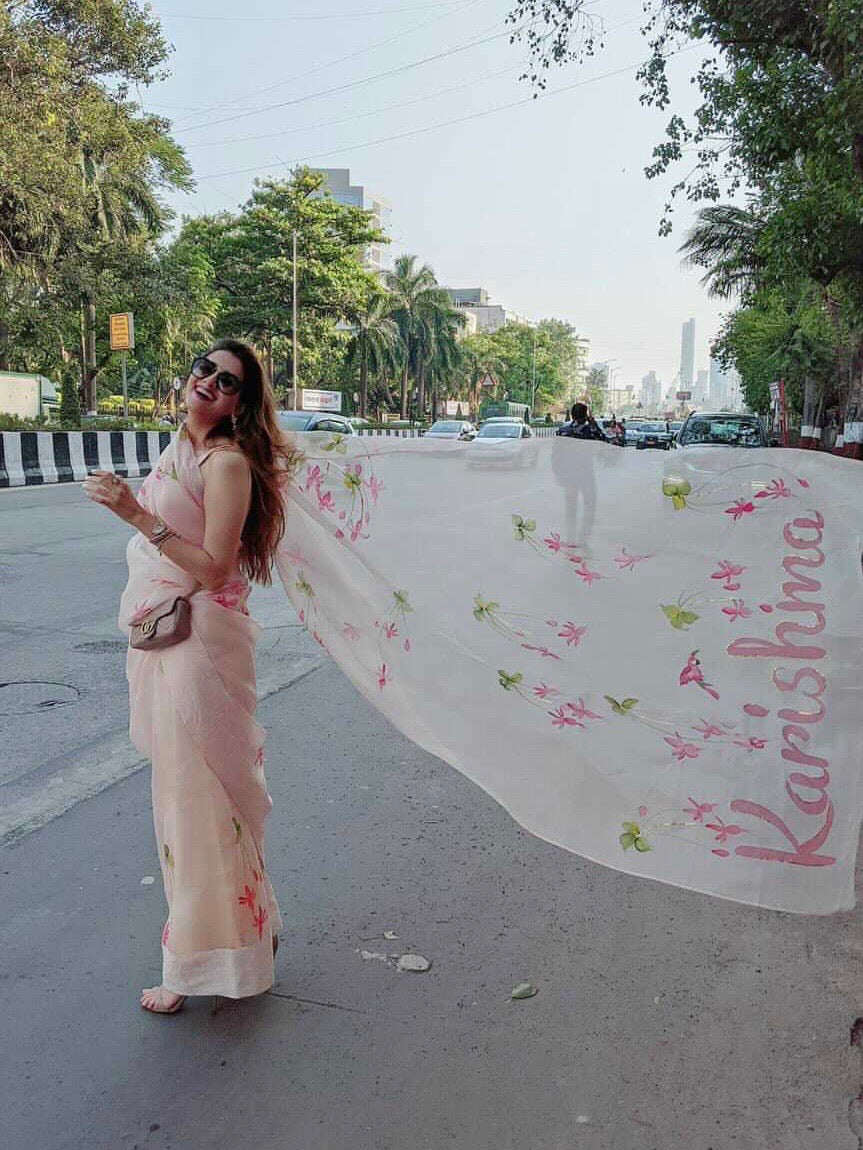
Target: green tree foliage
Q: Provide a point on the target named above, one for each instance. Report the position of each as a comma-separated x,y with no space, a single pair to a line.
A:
780,117
250,254
552,348
780,338
70,398
81,168
374,344
414,291
596,388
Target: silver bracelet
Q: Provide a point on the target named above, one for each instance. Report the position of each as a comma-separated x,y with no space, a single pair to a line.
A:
165,538
160,530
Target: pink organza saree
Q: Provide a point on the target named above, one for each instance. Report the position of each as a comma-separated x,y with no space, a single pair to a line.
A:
192,713
652,659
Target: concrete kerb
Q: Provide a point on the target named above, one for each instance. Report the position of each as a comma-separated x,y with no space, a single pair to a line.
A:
112,760
31,458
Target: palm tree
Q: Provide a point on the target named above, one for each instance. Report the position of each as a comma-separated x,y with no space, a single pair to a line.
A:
412,290
119,174
375,343
479,364
724,240
442,358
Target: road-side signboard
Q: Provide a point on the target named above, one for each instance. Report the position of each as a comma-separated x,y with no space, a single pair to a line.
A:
313,400
488,380
121,331
684,395
458,407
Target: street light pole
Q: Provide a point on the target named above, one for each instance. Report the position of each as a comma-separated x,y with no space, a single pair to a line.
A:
533,377
294,353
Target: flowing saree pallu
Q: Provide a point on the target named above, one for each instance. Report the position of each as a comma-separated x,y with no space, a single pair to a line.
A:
651,660
192,713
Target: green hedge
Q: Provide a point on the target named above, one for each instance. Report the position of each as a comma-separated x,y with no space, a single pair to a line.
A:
100,423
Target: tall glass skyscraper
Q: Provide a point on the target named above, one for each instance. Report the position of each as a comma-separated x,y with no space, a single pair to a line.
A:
687,356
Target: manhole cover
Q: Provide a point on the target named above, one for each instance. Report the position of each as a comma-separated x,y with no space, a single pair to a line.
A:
101,646
29,697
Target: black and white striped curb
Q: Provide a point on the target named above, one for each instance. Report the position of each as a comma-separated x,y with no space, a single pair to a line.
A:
28,458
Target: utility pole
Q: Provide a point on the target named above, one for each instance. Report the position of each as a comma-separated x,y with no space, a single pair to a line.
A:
533,376
294,319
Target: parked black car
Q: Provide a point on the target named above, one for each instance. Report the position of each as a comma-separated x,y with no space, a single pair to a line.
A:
654,435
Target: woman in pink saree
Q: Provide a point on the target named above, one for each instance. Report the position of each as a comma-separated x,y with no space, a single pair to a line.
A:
207,520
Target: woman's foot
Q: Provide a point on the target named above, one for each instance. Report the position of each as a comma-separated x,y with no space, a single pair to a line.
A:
158,1000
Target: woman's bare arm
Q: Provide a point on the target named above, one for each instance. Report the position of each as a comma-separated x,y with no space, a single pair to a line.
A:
227,497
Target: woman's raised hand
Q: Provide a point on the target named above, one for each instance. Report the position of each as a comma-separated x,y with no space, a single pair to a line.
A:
113,492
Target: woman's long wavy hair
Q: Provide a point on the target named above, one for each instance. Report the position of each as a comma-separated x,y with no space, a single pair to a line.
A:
255,430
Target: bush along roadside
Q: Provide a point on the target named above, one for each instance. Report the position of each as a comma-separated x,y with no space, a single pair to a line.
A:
98,423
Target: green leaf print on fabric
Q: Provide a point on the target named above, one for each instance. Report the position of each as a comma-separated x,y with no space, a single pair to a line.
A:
166,851
632,837
402,602
622,708
679,618
238,830
509,681
523,528
484,609
676,490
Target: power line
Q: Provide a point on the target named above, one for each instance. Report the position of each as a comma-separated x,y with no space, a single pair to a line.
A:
376,111
360,115
352,84
443,124
337,60
360,15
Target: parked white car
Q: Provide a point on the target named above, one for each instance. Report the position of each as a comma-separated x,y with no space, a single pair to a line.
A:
451,429
501,442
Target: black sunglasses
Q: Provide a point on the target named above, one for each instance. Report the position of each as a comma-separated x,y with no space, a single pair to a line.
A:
226,383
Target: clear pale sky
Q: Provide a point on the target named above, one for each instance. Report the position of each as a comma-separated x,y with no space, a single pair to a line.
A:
544,204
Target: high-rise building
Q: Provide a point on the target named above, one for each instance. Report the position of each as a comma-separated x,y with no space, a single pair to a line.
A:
687,356
701,389
651,393
717,389
338,185
475,301
736,401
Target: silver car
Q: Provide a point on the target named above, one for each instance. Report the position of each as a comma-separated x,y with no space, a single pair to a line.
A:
451,429
315,421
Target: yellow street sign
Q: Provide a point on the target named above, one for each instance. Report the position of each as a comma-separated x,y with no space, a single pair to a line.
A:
121,329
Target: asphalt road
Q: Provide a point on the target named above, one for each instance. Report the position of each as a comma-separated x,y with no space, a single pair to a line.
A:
664,1020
